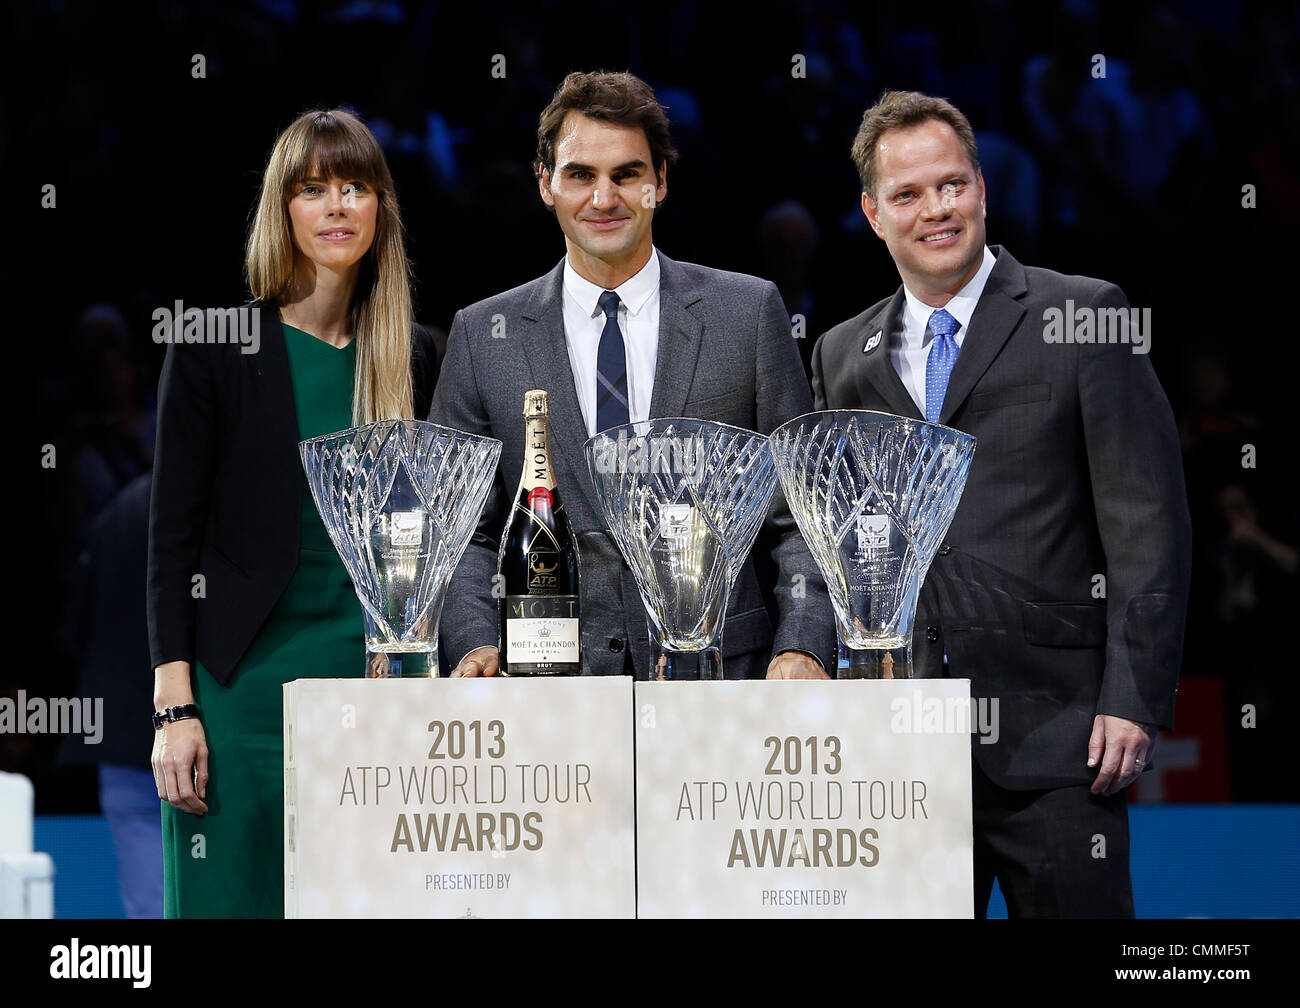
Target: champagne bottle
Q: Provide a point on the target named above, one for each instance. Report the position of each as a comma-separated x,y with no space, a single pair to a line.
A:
538,619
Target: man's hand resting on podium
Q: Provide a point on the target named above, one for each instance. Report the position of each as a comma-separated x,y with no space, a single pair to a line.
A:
483,661
795,665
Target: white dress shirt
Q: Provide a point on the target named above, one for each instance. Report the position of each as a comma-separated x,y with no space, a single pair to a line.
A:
910,356
638,317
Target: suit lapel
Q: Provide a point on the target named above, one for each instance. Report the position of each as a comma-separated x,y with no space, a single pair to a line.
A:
996,316
875,373
680,337
548,359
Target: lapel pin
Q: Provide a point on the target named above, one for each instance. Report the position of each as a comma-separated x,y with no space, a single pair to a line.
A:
872,343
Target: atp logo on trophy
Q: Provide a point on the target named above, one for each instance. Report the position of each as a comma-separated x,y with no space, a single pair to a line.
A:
873,533
405,528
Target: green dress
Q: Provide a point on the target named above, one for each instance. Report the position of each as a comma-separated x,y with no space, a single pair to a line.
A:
230,862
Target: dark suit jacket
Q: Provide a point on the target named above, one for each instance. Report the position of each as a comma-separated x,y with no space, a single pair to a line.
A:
725,353
1077,473
227,492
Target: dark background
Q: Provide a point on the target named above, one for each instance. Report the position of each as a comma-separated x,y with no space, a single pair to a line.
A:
1136,177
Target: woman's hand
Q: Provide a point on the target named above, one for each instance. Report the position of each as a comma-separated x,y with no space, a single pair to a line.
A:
180,748
180,765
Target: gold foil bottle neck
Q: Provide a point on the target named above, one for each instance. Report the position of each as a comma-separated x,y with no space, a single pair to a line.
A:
536,403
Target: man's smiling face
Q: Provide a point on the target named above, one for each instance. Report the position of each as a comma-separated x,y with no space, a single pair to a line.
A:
928,208
604,192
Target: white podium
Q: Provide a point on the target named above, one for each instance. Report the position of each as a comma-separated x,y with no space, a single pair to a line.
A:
459,798
519,798
804,799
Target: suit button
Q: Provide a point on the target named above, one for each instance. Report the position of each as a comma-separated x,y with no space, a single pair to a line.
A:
945,549
615,644
931,633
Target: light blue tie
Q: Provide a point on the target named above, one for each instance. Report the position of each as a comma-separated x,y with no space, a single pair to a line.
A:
938,366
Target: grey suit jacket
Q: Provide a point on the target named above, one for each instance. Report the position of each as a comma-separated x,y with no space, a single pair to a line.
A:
725,353
1061,589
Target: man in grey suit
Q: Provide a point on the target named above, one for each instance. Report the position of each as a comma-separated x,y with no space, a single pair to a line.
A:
616,332
1061,590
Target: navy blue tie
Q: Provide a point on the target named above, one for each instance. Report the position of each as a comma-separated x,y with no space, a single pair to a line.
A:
938,366
611,369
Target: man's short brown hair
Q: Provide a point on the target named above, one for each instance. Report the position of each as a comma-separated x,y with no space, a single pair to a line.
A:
610,97
898,110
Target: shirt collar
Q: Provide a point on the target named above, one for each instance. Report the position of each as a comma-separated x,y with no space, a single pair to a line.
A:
962,304
633,292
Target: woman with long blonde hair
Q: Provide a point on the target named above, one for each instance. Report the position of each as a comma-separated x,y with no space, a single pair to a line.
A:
246,592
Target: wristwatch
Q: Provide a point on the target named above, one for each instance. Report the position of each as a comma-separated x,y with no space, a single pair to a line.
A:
178,713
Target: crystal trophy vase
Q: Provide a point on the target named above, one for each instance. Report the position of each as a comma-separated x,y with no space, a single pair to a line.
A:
873,494
684,500
400,500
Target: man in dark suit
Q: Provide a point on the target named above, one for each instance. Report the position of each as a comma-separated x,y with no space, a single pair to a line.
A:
1061,589
616,332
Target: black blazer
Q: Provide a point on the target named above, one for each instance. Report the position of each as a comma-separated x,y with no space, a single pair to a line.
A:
227,492
1077,475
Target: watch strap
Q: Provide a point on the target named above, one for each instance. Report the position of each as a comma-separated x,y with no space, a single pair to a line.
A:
169,715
